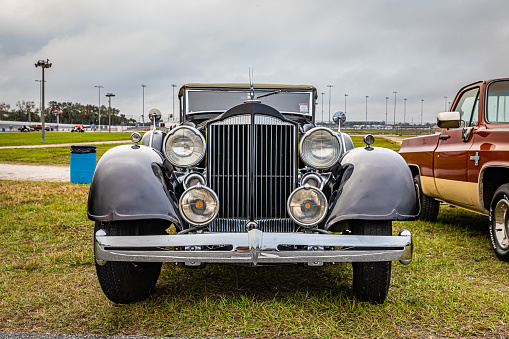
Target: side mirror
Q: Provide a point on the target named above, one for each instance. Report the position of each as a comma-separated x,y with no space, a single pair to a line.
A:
449,119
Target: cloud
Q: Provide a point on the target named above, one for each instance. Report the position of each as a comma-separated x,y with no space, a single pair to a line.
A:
422,50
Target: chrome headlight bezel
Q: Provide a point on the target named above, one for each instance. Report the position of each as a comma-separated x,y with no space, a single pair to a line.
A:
186,216
173,159
305,150
321,196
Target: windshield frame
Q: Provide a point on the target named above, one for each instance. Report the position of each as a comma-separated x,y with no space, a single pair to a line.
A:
258,91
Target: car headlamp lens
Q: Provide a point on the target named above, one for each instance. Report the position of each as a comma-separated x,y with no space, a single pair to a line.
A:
320,148
307,206
199,205
184,146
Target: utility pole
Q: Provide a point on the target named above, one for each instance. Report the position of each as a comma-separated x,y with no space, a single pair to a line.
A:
99,87
43,64
322,105
404,112
422,103
345,102
386,99
173,115
109,95
143,113
367,111
395,107
330,88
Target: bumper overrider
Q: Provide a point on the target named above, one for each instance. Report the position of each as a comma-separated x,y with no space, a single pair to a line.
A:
254,247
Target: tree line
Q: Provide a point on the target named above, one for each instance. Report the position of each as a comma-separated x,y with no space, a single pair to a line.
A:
68,113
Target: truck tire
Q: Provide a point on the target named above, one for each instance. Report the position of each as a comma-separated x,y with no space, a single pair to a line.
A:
429,206
499,222
371,280
128,282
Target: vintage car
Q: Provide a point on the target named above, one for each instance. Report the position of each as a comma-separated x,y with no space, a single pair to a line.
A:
247,178
467,163
39,127
78,128
25,128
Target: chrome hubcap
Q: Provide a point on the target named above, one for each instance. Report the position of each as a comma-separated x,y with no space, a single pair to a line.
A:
501,227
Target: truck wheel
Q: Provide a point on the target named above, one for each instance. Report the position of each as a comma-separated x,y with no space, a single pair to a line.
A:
499,222
429,206
371,280
128,282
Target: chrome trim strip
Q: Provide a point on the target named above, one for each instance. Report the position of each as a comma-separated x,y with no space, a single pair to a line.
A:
254,247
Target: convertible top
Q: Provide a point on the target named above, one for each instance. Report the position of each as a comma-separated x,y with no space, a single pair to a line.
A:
247,86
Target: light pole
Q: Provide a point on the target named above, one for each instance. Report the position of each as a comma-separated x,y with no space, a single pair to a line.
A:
404,112
422,103
322,105
43,64
330,88
386,99
143,113
99,87
173,89
109,95
40,97
395,107
445,104
345,102
367,111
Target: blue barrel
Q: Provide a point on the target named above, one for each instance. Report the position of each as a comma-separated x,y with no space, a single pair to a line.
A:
83,161
3,129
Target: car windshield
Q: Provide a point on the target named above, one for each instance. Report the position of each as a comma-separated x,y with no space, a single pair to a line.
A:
292,102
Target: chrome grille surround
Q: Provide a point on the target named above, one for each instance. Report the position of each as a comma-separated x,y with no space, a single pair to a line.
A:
253,170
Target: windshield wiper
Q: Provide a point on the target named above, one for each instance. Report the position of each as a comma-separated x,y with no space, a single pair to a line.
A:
266,95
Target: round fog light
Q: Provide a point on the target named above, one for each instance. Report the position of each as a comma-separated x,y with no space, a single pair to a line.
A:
307,206
199,205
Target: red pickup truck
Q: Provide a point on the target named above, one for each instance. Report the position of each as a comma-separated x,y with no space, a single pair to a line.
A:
467,163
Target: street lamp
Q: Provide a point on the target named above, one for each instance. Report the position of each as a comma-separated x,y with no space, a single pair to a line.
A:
322,105
422,103
109,95
395,107
386,99
99,87
367,111
404,113
40,96
445,104
43,64
173,89
330,88
345,102
143,113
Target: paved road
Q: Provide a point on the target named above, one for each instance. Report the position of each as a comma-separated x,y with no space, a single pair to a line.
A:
35,173
69,145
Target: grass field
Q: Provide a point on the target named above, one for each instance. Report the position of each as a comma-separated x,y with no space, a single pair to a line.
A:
34,138
61,155
455,287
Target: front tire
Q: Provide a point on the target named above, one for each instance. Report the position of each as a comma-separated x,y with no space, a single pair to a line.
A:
371,280
128,282
429,206
499,222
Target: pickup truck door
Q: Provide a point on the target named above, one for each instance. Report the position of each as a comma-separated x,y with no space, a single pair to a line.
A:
451,156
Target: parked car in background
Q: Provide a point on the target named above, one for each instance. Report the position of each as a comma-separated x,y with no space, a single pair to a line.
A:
248,179
39,127
467,163
25,128
78,128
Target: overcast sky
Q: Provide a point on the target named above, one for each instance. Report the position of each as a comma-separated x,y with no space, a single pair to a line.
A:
421,49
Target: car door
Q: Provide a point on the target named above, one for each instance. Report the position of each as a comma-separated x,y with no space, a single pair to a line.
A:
451,156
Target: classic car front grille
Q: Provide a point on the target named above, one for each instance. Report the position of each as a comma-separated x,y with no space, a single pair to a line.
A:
253,170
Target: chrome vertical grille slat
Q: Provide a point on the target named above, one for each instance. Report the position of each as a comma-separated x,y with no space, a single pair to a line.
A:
274,171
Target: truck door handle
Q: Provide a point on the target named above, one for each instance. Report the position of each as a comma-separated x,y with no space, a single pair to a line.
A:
444,137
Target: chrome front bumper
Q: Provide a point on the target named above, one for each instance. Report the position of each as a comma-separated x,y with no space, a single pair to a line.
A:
253,247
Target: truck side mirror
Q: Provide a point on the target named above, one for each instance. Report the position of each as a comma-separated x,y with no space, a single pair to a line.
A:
449,119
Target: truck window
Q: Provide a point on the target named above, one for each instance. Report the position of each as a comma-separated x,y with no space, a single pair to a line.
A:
498,102
468,106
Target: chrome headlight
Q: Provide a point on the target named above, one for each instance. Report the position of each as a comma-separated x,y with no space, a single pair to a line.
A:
199,205
184,146
307,206
320,148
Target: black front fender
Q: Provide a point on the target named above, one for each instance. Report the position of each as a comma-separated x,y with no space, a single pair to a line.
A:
129,184
375,184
